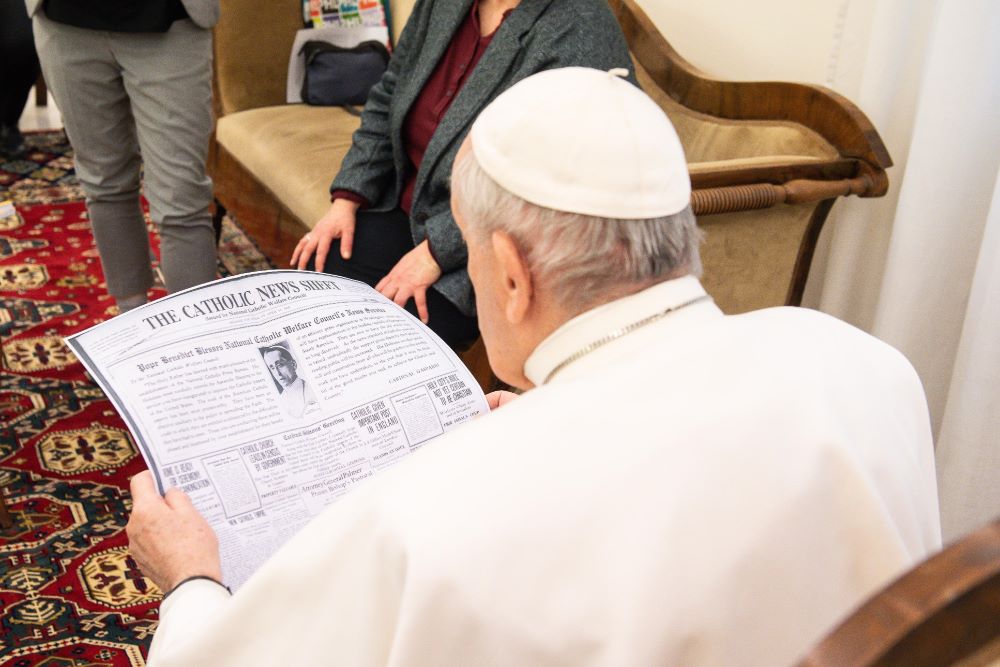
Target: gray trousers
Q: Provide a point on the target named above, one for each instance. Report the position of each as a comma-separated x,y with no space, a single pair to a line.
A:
122,95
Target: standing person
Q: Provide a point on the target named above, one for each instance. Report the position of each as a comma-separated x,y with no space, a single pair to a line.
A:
390,224
675,487
131,80
18,71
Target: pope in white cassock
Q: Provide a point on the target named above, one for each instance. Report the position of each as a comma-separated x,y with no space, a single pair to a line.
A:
676,487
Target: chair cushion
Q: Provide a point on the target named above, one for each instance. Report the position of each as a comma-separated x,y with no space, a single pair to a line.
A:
295,150
698,168
710,139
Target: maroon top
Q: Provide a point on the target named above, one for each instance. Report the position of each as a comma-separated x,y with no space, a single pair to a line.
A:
466,48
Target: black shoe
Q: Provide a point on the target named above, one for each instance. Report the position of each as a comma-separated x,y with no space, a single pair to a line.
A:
11,139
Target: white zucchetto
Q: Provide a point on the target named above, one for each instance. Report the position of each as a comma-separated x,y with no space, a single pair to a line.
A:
581,140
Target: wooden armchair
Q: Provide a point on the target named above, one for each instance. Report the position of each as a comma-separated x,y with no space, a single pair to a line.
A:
767,160
945,611
6,520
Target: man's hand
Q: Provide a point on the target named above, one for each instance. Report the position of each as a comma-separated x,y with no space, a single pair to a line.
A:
338,223
411,277
167,536
498,399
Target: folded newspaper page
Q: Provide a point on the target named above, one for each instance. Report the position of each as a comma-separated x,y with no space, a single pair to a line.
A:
267,396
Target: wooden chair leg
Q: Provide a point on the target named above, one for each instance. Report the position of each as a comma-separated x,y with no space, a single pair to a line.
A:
6,520
41,92
218,214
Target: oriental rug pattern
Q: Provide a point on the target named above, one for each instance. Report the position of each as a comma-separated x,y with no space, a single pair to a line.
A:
70,594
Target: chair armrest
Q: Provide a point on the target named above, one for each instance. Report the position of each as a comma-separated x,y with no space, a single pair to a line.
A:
731,198
944,611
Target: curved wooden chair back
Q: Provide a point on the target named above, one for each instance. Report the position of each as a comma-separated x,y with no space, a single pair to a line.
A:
945,611
767,159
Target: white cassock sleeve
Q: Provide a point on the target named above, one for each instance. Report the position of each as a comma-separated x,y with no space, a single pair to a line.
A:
331,591
199,601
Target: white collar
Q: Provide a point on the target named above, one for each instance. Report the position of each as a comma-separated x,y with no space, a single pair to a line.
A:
584,329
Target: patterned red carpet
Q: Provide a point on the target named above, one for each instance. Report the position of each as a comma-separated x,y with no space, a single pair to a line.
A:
70,594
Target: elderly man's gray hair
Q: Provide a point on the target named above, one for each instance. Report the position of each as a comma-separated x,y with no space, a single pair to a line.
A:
579,258
280,349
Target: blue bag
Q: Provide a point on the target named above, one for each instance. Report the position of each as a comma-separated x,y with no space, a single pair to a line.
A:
338,76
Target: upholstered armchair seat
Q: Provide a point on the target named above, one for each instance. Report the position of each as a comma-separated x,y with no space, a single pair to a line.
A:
315,139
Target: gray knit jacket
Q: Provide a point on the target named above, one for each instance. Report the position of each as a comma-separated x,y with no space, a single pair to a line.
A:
538,35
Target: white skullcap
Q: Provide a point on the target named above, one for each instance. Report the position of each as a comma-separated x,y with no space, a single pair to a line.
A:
583,141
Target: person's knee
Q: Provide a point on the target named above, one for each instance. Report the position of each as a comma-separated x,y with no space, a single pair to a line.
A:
111,196
171,222
336,264
105,179
180,200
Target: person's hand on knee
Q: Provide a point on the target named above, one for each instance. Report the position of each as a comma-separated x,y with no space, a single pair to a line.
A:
338,223
410,278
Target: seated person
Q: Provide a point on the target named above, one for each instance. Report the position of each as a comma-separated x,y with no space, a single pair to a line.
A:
390,224
676,487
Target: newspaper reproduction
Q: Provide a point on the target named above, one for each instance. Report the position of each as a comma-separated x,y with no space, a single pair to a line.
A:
269,395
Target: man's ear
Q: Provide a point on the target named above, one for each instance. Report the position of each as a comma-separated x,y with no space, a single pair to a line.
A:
513,277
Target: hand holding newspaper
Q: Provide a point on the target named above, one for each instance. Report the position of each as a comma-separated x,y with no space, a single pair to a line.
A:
267,396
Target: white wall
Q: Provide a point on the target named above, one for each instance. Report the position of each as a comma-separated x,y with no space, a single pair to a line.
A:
813,41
